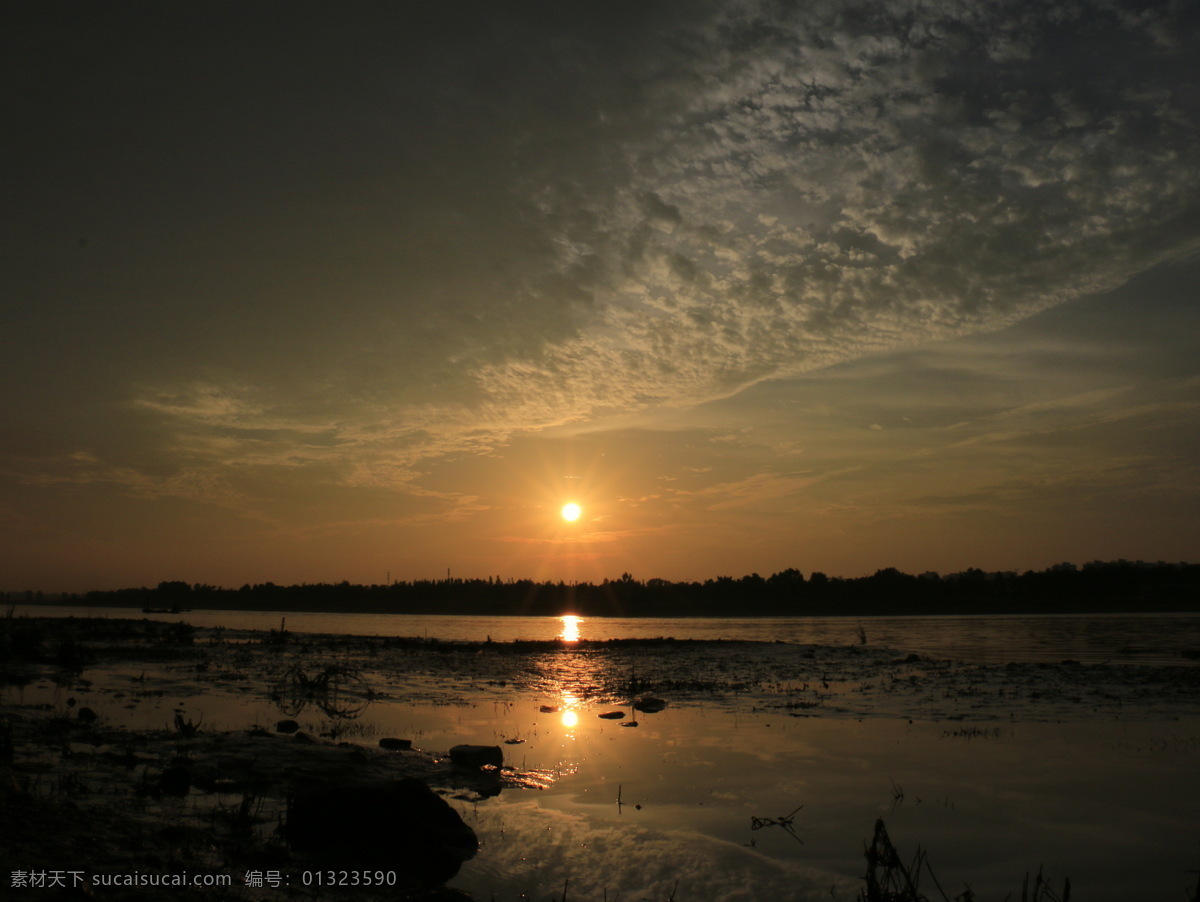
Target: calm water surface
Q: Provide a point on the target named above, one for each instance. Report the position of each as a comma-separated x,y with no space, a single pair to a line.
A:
1106,798
1088,638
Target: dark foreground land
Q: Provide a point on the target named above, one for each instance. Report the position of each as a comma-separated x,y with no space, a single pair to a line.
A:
91,808
90,788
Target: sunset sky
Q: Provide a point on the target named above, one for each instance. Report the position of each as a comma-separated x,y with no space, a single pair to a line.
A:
305,292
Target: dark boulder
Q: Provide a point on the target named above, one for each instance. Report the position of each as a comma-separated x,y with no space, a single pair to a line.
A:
287,726
175,781
403,826
612,715
649,705
474,757
395,745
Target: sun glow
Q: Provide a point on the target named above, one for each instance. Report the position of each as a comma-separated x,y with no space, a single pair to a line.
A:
570,628
570,717
571,512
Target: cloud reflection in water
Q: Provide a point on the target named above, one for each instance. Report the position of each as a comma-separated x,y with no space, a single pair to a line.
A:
606,858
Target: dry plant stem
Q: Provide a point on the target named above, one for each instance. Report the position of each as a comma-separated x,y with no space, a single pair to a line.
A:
1196,895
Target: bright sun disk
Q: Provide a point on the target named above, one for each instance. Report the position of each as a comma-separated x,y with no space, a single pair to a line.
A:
571,512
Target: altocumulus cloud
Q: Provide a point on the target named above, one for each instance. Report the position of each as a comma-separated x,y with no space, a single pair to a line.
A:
699,198
839,181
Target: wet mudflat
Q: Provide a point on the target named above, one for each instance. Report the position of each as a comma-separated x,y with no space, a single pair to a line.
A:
761,777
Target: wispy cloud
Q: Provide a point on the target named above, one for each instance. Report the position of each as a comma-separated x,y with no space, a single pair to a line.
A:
797,188
759,491
83,468
460,232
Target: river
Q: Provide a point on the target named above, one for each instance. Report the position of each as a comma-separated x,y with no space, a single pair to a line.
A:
768,786
1088,638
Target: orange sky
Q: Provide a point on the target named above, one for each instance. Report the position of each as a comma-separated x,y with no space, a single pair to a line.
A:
317,293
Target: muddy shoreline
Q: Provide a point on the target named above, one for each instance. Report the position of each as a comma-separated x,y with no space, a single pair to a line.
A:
102,793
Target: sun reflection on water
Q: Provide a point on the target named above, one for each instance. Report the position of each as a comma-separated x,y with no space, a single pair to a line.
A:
567,710
570,628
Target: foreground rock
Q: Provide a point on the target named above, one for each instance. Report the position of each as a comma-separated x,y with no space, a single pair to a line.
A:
399,825
473,757
649,705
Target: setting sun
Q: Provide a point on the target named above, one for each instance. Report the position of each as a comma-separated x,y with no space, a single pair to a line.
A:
571,512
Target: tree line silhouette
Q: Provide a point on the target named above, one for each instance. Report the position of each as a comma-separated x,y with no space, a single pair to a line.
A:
1098,587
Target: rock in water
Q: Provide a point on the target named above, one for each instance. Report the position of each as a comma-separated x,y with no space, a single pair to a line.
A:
175,781
649,705
402,826
477,756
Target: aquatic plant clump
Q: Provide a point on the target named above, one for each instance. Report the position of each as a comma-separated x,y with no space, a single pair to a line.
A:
338,691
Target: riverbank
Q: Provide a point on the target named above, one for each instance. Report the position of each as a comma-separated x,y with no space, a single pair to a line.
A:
96,803
1096,587
247,717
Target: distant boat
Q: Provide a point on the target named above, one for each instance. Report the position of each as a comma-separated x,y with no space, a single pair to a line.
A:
175,610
